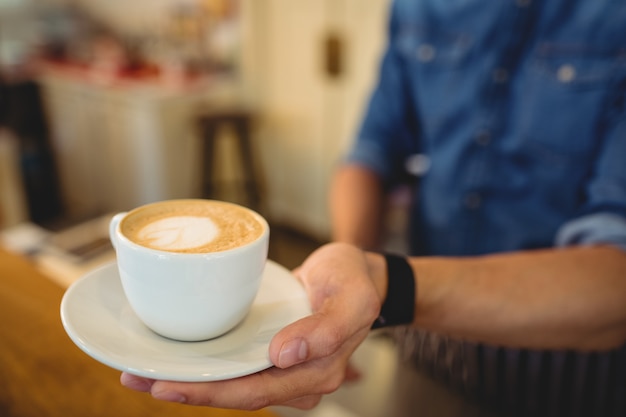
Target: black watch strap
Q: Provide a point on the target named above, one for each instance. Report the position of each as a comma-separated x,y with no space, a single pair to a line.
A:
399,305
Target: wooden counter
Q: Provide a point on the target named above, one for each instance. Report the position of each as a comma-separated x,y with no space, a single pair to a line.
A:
43,374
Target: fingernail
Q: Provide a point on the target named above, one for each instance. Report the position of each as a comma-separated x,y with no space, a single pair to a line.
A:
292,353
170,396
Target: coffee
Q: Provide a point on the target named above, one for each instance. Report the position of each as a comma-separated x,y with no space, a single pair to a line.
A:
191,226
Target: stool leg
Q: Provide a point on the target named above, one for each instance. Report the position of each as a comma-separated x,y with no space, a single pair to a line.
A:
250,181
208,144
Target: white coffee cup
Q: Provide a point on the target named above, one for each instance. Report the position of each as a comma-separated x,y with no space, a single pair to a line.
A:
197,284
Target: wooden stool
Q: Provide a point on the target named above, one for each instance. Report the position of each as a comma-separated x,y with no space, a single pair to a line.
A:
210,125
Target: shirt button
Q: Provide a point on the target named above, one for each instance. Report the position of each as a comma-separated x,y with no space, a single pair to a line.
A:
417,164
426,52
566,73
500,75
483,138
472,201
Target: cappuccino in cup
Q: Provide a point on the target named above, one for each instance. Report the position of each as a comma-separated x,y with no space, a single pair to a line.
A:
191,226
190,269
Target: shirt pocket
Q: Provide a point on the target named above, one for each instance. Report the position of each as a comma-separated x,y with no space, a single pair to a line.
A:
439,64
563,97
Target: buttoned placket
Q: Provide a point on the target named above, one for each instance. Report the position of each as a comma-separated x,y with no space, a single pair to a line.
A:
473,201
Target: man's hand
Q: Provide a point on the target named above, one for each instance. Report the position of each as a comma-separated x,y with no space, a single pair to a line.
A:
311,355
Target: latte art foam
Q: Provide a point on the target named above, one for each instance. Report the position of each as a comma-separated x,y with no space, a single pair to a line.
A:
179,233
192,226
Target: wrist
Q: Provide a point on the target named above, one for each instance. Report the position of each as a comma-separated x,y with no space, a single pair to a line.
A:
377,267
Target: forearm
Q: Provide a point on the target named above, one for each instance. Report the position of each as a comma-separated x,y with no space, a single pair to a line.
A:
552,299
356,206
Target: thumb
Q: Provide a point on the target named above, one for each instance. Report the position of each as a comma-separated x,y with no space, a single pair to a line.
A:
344,300
319,335
306,339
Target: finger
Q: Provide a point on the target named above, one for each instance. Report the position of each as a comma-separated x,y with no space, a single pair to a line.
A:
304,403
324,332
298,386
352,374
136,383
296,271
245,393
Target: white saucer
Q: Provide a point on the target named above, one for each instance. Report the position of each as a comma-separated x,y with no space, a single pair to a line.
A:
98,319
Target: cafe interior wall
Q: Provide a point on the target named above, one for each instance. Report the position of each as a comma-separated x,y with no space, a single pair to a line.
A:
307,67
309,108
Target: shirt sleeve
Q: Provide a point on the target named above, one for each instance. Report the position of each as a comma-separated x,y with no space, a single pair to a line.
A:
388,133
603,218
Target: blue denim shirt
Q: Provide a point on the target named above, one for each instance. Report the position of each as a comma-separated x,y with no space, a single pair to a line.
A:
519,107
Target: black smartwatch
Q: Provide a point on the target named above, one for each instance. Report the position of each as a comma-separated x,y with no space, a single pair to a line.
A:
399,305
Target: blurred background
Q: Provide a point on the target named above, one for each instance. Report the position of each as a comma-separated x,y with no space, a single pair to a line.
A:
109,104
101,102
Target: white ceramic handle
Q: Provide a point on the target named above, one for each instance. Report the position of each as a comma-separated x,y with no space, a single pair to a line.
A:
113,228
